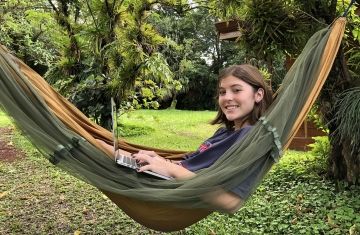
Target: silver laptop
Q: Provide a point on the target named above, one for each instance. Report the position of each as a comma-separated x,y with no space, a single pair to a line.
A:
123,160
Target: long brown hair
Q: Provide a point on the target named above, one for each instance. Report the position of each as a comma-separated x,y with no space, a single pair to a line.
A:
253,77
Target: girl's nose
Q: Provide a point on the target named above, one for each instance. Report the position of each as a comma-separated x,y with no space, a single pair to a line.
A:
228,96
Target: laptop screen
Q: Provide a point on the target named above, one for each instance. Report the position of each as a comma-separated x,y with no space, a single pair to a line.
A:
114,115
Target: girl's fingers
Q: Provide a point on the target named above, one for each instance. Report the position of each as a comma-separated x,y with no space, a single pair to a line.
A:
144,168
142,157
147,162
150,153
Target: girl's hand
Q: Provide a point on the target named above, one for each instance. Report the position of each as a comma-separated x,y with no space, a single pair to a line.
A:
154,154
155,163
150,153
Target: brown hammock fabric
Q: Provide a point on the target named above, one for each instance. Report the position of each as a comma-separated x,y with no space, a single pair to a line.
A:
161,213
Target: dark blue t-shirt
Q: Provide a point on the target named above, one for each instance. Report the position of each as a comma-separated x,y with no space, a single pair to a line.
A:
213,148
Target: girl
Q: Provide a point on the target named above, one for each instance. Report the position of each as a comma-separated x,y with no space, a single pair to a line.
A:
242,97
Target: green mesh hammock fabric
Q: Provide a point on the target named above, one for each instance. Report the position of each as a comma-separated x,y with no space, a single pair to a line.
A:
66,138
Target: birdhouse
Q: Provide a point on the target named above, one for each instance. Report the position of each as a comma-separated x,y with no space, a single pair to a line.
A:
228,30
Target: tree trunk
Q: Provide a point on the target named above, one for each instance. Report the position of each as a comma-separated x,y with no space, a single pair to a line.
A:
173,102
343,163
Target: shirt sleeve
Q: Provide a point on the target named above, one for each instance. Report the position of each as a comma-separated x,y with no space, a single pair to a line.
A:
244,189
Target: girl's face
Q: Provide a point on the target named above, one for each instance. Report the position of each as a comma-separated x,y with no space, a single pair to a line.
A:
237,99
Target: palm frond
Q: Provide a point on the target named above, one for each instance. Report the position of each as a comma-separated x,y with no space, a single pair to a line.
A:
347,118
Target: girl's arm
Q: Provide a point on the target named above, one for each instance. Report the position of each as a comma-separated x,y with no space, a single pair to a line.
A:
224,201
157,164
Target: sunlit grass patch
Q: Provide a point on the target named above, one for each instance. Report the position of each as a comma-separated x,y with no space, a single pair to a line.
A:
4,119
172,129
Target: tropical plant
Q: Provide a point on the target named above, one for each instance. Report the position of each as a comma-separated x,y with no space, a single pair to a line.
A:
28,29
347,122
113,47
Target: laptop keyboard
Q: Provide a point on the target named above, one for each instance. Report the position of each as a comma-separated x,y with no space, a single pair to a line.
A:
128,161
131,163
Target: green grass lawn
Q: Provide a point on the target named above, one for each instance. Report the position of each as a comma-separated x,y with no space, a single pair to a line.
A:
168,128
4,119
37,198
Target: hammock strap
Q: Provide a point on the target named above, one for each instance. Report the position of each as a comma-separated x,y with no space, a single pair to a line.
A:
276,152
61,150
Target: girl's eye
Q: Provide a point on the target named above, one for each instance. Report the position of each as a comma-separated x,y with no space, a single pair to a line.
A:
222,92
236,90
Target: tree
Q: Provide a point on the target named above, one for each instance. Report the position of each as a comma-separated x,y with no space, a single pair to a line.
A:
112,49
28,29
198,55
344,158
192,54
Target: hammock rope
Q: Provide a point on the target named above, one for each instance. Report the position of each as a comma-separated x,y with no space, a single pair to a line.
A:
67,138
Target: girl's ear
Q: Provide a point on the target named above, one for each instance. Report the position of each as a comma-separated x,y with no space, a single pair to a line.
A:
259,95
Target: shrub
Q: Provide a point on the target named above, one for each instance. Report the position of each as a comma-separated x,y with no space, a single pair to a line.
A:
321,147
134,130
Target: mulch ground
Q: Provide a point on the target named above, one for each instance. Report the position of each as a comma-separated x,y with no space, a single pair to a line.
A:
8,152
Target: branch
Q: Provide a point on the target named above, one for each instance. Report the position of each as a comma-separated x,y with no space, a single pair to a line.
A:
53,6
113,18
197,7
36,36
312,17
92,16
344,65
185,5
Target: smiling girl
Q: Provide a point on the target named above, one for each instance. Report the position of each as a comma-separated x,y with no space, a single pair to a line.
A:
242,98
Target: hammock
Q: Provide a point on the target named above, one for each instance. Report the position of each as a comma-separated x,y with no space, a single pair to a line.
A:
67,138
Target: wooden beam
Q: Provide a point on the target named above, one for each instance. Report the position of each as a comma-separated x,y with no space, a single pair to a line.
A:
233,36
